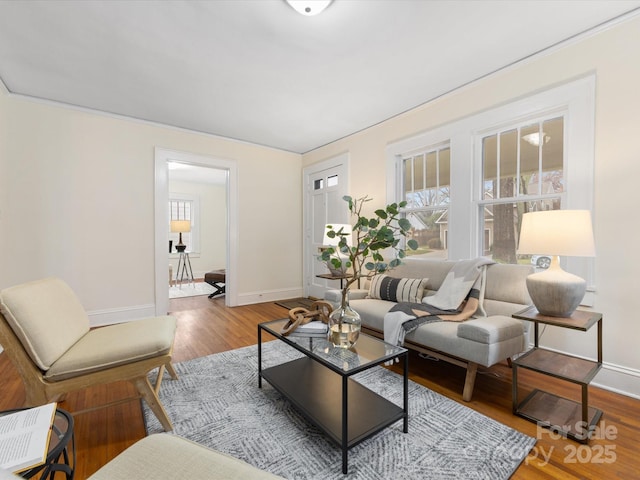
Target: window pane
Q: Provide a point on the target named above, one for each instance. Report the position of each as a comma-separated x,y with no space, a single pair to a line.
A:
332,181
553,156
501,228
408,182
318,184
430,229
431,189
444,192
489,166
508,163
542,157
418,172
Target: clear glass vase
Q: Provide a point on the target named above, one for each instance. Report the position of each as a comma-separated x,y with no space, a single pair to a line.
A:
344,324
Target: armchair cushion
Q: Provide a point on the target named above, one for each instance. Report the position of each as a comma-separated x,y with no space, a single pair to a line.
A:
51,318
114,345
162,456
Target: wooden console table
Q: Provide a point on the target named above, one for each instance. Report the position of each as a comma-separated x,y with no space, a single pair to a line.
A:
572,419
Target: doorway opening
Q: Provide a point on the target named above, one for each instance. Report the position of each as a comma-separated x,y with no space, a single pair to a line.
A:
197,227
204,189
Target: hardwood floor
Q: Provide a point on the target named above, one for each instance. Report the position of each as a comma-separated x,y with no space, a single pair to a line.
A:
207,326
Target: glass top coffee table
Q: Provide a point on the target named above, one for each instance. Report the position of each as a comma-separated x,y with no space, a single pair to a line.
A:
320,386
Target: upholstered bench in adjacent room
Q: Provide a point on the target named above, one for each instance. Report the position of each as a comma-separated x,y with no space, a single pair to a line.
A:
217,279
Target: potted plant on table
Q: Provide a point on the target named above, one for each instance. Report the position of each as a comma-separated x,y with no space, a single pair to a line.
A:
372,237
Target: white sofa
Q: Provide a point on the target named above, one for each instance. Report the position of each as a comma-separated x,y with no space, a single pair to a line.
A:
482,340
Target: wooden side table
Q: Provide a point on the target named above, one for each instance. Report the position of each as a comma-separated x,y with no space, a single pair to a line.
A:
572,419
331,276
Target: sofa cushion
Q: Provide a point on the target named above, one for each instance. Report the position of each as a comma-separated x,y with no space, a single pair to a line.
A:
384,287
46,316
508,283
114,345
420,267
491,330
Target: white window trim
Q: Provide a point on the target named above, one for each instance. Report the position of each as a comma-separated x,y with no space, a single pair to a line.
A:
576,98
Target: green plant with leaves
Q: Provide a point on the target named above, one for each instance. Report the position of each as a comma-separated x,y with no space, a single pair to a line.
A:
372,237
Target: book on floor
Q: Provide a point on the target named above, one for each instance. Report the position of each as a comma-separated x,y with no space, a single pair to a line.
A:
24,437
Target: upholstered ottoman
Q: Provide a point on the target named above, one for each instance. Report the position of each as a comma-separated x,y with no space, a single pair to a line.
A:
217,279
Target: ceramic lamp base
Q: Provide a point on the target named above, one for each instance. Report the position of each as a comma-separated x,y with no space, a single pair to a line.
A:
555,292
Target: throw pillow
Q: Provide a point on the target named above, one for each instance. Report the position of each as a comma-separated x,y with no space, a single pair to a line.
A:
385,287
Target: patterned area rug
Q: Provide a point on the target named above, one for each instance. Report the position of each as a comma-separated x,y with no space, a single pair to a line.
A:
191,290
216,402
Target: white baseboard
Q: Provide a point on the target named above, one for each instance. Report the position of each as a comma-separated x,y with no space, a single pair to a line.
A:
622,380
99,318
269,296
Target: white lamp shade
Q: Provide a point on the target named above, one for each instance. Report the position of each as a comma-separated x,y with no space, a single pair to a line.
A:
332,242
557,232
180,226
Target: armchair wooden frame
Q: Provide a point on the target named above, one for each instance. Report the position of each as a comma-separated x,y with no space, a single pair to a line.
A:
40,391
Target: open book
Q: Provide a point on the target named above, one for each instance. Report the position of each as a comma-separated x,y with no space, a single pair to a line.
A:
24,437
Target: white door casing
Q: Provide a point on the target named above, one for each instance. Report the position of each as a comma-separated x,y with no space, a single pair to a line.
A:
324,184
162,156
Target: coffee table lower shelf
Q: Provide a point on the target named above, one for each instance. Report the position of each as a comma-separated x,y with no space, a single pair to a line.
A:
558,413
317,392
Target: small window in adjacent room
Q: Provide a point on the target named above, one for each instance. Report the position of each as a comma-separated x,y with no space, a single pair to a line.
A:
181,209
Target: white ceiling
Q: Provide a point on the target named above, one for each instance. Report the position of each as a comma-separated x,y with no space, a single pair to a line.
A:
256,70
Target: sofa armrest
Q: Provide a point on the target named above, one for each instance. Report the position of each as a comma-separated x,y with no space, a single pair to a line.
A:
334,296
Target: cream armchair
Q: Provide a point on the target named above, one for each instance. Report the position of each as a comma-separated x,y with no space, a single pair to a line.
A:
45,331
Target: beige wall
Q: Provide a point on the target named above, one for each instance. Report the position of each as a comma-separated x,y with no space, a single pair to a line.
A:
77,193
613,55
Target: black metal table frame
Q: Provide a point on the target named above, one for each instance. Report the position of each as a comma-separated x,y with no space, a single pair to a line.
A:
344,444
52,464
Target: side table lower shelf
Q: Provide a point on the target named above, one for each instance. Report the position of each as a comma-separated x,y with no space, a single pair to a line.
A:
560,414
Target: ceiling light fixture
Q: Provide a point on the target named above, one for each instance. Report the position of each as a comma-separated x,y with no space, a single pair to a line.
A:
534,138
309,7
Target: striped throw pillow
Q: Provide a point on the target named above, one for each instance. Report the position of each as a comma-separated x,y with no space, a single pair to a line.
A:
385,287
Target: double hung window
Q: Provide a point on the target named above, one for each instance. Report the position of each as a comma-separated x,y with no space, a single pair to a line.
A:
426,189
522,171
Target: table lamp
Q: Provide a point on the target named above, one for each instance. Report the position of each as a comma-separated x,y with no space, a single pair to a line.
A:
179,226
555,292
333,242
